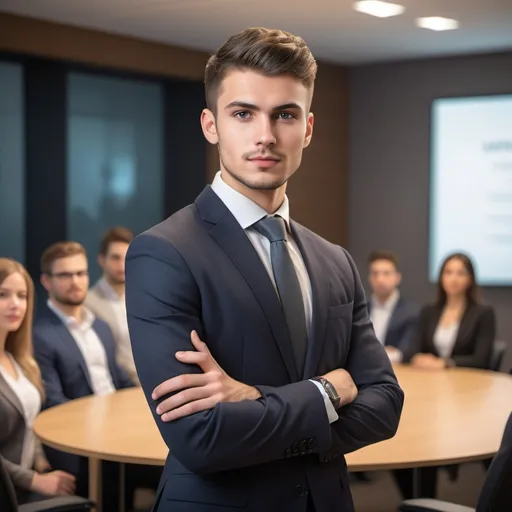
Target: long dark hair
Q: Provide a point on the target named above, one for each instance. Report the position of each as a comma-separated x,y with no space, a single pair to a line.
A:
472,290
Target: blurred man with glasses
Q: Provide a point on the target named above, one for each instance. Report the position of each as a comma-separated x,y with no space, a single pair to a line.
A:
74,349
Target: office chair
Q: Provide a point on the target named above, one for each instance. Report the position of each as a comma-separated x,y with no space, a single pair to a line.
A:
495,496
498,351
9,503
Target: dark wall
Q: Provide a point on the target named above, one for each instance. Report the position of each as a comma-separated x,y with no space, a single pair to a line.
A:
318,193
389,161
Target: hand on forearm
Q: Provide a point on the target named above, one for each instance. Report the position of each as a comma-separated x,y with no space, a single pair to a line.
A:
199,392
345,386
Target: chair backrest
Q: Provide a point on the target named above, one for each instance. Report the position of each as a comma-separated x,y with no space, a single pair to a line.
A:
496,494
7,493
498,351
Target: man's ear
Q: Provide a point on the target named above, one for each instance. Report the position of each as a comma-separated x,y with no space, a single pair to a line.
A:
309,129
209,127
45,281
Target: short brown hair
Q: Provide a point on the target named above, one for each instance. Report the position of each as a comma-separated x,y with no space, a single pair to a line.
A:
267,51
57,251
384,255
113,235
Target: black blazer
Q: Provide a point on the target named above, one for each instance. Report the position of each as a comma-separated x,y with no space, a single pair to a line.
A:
475,339
401,326
199,270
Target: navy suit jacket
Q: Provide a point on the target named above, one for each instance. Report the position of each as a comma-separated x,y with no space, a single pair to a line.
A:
401,326
65,374
198,270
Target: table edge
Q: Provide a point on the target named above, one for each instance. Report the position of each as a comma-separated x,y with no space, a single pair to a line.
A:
351,467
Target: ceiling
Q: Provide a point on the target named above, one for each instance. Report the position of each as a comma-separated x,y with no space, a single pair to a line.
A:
332,29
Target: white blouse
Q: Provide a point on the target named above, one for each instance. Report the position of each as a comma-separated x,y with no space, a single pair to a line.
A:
30,400
444,339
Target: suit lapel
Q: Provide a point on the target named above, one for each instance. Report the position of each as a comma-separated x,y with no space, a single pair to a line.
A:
432,330
232,239
71,346
394,320
320,289
465,326
10,395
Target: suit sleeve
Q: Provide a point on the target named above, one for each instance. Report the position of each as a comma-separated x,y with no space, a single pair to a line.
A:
406,340
485,336
375,413
48,363
20,477
163,306
418,342
121,378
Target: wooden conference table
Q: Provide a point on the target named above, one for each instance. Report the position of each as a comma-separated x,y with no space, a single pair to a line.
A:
449,417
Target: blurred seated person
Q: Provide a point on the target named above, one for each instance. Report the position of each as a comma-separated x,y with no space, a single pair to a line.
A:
394,318
106,298
458,330
75,350
22,392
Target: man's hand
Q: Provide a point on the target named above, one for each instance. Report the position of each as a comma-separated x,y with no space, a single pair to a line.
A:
428,362
199,392
344,385
395,355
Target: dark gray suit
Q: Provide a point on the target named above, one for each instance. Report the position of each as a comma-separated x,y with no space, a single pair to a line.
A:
12,435
198,270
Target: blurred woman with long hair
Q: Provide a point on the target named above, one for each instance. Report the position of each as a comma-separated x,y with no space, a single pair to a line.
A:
22,391
457,330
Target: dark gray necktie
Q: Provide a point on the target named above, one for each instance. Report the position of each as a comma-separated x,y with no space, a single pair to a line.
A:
273,228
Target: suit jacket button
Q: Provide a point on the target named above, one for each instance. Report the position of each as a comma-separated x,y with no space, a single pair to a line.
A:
288,453
296,447
303,447
311,444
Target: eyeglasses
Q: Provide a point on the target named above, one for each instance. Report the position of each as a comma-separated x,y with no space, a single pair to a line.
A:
68,276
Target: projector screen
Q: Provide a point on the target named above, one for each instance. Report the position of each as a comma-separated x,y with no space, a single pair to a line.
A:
471,185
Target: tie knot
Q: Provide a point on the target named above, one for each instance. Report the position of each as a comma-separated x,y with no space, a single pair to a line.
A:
272,228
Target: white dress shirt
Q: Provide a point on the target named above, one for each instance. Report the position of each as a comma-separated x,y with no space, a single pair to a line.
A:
30,400
380,314
444,339
247,213
91,347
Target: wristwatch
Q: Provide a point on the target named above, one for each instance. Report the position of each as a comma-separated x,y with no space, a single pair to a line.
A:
330,390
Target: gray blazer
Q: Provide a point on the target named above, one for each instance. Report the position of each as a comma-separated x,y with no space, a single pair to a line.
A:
101,306
12,435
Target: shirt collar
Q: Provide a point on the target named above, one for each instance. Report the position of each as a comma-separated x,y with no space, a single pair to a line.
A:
389,304
69,321
245,211
108,291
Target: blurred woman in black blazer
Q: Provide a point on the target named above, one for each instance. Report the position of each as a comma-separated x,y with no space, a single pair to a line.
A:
457,330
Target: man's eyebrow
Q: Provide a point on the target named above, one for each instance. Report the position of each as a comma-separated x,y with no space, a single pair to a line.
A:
251,106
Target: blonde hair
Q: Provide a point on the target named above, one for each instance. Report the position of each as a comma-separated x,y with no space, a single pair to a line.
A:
19,342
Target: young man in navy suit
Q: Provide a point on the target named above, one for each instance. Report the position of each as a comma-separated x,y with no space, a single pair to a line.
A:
74,349
394,318
250,333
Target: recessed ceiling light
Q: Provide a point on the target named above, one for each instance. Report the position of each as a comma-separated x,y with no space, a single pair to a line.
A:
437,23
378,8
